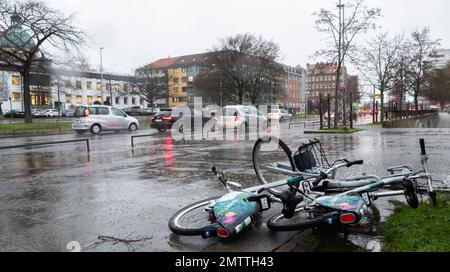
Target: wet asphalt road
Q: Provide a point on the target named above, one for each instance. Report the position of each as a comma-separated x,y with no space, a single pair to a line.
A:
52,195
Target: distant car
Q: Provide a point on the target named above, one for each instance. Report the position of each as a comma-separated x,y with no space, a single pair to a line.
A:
38,113
102,118
15,114
280,115
52,113
148,111
165,119
67,113
133,111
240,117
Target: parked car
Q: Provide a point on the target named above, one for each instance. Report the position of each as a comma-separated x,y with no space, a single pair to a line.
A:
280,115
148,111
67,113
102,118
52,113
38,113
15,114
133,111
241,117
165,119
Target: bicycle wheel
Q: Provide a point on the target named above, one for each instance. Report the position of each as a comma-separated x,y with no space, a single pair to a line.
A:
191,220
270,153
302,220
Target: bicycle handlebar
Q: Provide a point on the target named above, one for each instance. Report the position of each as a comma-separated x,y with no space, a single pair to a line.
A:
319,179
351,163
422,147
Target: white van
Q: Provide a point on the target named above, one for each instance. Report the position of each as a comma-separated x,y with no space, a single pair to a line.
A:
102,118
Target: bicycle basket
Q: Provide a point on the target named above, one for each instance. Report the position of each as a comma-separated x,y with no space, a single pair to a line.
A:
310,156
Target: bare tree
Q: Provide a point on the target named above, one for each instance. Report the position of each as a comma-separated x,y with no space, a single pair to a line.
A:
342,31
420,48
377,63
439,86
151,85
29,29
400,85
243,68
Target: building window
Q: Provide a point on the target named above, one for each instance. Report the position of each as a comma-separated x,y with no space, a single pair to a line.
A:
117,100
89,85
133,101
108,86
79,99
89,99
16,97
125,100
184,79
126,87
176,80
183,70
68,98
99,86
15,80
78,85
191,79
184,89
116,87
142,101
67,84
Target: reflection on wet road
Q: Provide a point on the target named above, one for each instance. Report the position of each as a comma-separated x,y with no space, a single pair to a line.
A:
52,195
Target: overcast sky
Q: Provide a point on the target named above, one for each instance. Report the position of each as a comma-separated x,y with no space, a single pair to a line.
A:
136,32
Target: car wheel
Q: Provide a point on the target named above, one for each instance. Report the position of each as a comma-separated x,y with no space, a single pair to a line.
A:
133,127
96,129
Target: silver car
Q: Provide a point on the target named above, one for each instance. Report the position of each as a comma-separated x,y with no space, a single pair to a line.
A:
102,118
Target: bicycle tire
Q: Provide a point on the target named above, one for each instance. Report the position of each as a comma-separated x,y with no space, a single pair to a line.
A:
256,166
175,226
295,223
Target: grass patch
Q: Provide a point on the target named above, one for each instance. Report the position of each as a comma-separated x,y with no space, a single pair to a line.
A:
34,128
299,118
426,229
376,125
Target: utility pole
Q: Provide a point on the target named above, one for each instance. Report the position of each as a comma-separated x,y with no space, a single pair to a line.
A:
59,99
101,71
110,93
340,53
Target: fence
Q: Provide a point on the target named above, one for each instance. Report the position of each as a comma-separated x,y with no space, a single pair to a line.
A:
88,148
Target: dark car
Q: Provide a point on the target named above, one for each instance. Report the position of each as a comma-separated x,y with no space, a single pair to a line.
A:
15,114
166,118
133,111
148,111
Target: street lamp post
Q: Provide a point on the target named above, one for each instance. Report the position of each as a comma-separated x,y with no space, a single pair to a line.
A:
59,100
101,72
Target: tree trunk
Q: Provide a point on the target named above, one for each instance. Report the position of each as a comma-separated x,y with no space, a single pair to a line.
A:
382,106
416,101
336,94
27,95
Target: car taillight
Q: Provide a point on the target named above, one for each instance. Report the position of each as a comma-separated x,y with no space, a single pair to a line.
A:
153,118
167,118
348,218
223,233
